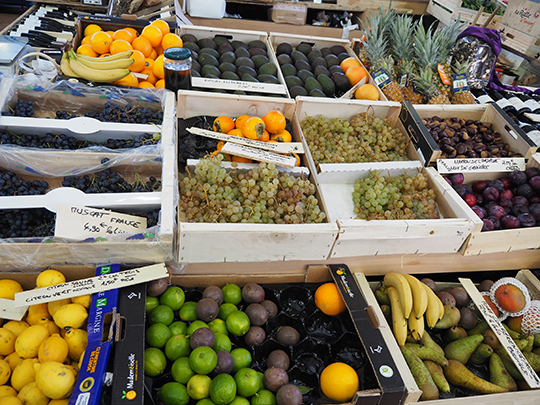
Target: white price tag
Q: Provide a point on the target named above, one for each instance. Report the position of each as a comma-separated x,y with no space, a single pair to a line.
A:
9,311
92,285
209,83
480,165
258,154
381,78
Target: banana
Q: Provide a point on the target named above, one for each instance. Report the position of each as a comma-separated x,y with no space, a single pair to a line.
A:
420,299
103,63
96,75
399,323
416,326
435,309
116,56
66,68
402,286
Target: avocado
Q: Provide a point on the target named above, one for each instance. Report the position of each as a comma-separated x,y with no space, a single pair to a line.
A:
328,85
257,51
335,68
207,43
259,60
302,64
227,57
268,69
228,75
341,81
238,44
209,51
210,70
305,74
284,59
242,70
195,66
343,56
312,83
321,70
194,73
227,67
314,54
220,39
211,76
248,78
316,93
244,62
189,38
265,78
284,48
225,47
292,81
304,47
257,44
192,46
325,51
337,49
319,62
194,55
297,55
242,53
207,59
288,70
331,60
297,91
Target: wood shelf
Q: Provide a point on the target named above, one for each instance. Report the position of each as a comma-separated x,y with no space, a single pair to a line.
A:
74,4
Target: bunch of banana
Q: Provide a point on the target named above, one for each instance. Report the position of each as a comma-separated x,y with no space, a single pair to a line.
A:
102,70
413,304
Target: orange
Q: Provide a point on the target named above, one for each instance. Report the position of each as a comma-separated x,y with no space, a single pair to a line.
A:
139,63
162,25
159,50
158,68
129,80
171,40
148,63
111,33
154,54
160,83
133,31
297,157
329,300
339,382
219,145
236,132
86,50
239,122
265,137
123,34
142,44
253,128
151,76
355,74
120,45
91,29
101,42
284,136
240,159
348,63
86,40
104,55
223,124
275,122
367,92
145,85
153,34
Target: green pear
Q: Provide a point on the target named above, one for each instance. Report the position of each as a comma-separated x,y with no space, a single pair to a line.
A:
530,343
533,359
498,374
521,343
425,353
480,328
437,374
462,349
421,375
387,312
382,297
455,333
450,318
491,339
457,374
537,339
429,342
513,334
482,353
509,364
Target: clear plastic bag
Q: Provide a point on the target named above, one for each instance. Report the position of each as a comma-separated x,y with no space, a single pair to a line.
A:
480,57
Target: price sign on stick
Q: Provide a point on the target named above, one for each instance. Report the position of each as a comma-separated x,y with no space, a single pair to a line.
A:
480,165
9,311
258,154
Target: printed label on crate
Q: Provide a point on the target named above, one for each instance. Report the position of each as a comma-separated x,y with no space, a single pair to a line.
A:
91,285
480,165
78,223
443,75
381,78
258,154
9,311
209,83
513,351
460,83
279,147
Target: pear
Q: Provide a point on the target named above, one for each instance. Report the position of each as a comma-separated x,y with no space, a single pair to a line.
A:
425,353
429,342
462,349
387,312
455,333
533,359
521,344
498,374
537,339
513,334
480,328
421,375
509,364
437,374
530,343
450,318
382,297
491,339
482,353
457,374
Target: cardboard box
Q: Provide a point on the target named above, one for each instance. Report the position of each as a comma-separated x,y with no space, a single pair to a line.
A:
524,16
288,14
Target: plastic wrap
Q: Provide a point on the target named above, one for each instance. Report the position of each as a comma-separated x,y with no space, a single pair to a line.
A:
481,59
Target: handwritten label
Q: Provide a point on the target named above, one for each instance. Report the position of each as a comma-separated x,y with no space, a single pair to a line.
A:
480,165
460,83
9,311
381,78
79,223
92,285
258,154
443,75
515,354
279,147
533,117
209,83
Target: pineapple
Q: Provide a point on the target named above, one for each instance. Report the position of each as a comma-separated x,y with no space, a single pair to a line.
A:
426,84
407,67
445,39
464,97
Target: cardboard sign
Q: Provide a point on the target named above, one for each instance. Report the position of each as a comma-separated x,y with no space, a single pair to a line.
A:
258,154
480,165
91,285
279,147
515,354
9,311
460,83
79,223
381,78
209,83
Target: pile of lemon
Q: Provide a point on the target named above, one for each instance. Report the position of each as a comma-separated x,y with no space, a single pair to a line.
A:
40,356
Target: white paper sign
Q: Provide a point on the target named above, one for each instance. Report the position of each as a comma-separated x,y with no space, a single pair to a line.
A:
533,117
480,165
279,147
209,83
9,311
508,343
258,154
79,223
92,285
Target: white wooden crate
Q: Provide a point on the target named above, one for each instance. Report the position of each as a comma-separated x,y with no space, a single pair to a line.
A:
447,11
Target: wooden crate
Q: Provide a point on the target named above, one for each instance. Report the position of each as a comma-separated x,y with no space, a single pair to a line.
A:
516,40
447,11
248,242
321,42
412,115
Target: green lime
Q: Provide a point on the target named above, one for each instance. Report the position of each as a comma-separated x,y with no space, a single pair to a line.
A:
222,343
176,347
157,335
239,401
218,326
232,293
261,376
203,360
173,393
151,303
198,386
223,389
247,381
238,323
178,328
193,326
154,362
263,397
161,314
242,358
205,401
188,311
173,297
225,310
181,370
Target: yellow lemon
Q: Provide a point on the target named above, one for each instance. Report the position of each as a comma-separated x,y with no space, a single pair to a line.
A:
72,315
50,325
84,300
36,312
27,344
31,394
54,305
54,379
16,326
5,372
77,340
7,391
54,348
13,360
8,289
7,341
23,374
10,400
49,277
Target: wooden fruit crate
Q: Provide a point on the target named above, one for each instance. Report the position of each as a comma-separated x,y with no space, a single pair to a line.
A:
238,242
447,11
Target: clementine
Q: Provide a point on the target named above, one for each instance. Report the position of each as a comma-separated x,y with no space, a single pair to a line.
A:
329,300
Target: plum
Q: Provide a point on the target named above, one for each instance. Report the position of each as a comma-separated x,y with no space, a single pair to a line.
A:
460,190
532,171
479,198
488,225
490,204
499,185
448,180
457,178
509,222
491,193
535,183
507,194
479,211
535,199
534,210
519,209
506,182
496,211
524,190
470,199
517,177
496,222
520,200
479,186
526,220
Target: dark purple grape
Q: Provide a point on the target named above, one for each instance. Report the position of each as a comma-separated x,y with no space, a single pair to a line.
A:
460,190
527,220
479,211
519,209
497,211
491,193
532,171
479,198
496,222
510,222
534,210
499,185
507,194
456,178
517,177
535,183
479,186
488,225
520,200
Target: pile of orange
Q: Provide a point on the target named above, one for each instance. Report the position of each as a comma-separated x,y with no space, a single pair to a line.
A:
270,128
353,70
146,46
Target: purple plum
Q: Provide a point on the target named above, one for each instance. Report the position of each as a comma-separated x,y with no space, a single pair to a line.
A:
488,225
479,211
510,222
517,177
479,186
491,193
527,220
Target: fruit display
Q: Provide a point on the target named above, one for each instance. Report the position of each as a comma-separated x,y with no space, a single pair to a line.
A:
450,349
42,353
261,344
508,202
